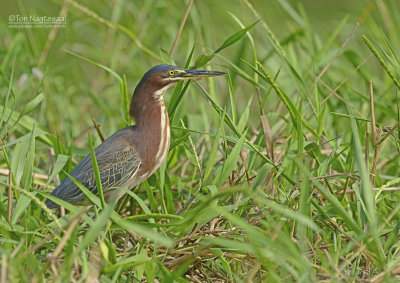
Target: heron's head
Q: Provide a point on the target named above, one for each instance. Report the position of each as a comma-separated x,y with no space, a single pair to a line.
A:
161,77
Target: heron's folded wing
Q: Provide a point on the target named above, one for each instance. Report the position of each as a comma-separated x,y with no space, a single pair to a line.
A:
117,159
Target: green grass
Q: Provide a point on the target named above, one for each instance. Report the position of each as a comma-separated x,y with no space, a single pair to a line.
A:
281,171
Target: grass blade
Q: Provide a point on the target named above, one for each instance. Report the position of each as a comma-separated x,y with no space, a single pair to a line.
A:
96,173
96,229
230,163
235,37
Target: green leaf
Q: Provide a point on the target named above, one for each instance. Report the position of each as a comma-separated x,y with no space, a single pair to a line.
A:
96,173
176,98
150,197
128,263
32,104
322,119
111,71
150,271
62,203
288,159
381,61
292,12
143,231
232,98
178,92
213,153
60,163
230,163
313,150
224,262
139,269
22,161
300,218
139,201
25,124
243,247
220,111
22,204
18,160
392,58
189,58
337,206
294,114
324,164
4,116
91,196
304,209
126,102
235,37
96,229
166,57
27,177
330,41
234,128
202,60
245,116
350,116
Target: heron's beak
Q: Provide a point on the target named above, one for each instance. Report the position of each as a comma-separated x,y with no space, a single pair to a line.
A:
197,74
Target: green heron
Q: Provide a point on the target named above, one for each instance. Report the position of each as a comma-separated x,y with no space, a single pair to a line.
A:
134,153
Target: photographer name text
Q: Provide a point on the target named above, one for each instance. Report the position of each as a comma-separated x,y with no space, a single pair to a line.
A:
36,19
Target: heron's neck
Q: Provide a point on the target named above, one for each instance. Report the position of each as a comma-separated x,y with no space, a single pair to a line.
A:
145,99
152,129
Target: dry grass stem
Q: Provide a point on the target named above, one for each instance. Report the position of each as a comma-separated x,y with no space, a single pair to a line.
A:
97,126
181,27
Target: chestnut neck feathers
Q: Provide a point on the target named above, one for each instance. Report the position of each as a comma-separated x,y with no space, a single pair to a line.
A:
152,124
148,94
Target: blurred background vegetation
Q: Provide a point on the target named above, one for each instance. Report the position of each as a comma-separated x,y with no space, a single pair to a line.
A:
154,24
317,56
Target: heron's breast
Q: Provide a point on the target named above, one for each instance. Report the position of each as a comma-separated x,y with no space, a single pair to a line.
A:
153,146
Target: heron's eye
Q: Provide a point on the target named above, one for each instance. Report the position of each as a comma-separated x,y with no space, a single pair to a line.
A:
171,73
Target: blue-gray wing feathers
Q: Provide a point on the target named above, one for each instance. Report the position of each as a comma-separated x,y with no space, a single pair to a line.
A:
118,161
